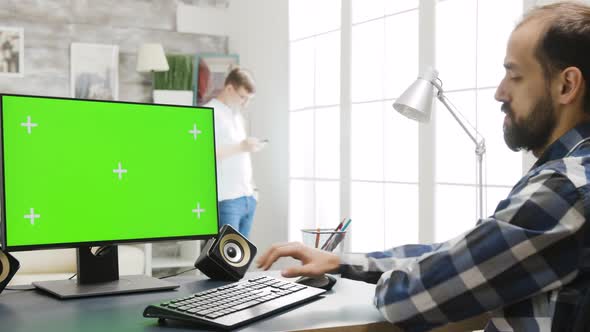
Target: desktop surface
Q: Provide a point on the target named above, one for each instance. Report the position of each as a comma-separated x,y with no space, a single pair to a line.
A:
349,303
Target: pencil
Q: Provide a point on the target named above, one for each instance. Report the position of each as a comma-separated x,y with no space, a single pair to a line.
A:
317,237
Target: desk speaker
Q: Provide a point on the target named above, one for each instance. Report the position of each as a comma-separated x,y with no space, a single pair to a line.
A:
8,267
227,256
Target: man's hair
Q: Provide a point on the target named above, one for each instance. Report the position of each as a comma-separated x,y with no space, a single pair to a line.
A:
239,77
565,41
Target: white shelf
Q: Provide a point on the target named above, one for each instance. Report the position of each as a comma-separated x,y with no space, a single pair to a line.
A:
187,254
165,262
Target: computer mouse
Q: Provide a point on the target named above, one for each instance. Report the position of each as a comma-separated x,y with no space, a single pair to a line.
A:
325,282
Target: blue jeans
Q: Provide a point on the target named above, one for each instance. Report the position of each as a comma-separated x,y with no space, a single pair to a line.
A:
238,213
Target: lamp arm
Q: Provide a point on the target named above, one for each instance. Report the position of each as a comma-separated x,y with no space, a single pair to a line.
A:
476,137
469,129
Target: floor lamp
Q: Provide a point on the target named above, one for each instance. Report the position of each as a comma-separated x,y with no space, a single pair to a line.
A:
416,104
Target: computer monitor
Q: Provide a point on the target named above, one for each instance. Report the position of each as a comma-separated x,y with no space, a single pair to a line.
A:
83,173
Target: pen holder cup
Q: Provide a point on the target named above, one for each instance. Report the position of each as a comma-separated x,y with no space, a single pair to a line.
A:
325,239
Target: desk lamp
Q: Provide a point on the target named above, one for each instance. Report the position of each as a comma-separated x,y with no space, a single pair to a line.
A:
416,104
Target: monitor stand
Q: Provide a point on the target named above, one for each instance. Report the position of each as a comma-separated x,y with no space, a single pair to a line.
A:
99,275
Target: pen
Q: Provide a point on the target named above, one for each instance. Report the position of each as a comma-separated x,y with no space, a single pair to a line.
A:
346,225
325,245
330,245
333,241
341,223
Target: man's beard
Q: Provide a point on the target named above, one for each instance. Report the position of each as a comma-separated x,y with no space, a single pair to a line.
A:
534,132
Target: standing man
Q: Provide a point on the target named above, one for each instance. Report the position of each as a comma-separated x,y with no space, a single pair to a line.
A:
237,203
528,264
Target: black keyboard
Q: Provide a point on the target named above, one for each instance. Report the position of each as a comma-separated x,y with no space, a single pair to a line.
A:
236,304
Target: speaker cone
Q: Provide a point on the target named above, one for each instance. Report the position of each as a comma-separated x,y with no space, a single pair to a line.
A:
4,266
234,250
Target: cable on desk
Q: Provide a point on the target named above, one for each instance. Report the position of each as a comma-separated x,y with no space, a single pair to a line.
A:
98,252
174,275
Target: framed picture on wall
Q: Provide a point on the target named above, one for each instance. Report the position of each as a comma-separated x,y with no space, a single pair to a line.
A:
94,71
210,73
12,51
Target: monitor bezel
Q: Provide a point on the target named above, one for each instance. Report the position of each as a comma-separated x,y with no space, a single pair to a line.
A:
3,235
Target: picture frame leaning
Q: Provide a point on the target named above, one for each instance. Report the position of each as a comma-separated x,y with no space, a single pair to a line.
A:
210,73
12,50
94,72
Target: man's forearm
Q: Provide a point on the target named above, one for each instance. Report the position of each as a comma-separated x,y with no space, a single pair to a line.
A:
370,267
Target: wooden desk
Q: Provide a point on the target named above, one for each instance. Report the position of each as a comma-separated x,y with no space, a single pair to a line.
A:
347,307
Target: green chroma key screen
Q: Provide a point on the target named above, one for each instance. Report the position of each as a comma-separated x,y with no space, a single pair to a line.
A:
81,171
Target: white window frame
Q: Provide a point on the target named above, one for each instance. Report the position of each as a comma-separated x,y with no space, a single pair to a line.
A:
426,132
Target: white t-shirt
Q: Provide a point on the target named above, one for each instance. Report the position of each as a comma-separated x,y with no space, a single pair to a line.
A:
234,174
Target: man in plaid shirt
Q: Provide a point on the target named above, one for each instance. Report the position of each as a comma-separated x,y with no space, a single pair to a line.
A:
527,264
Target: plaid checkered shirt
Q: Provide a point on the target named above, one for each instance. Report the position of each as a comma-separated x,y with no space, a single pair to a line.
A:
526,265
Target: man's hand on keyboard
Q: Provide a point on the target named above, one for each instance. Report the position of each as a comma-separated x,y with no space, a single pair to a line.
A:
314,262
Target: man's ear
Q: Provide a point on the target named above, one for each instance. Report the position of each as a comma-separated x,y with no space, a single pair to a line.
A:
571,85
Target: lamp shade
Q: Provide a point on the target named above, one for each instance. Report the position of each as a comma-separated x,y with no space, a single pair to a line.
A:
416,102
151,57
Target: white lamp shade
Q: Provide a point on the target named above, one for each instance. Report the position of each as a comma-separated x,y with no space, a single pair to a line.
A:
416,102
151,57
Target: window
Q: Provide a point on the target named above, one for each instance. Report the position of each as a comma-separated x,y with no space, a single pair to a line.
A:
382,174
314,136
471,39
384,145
